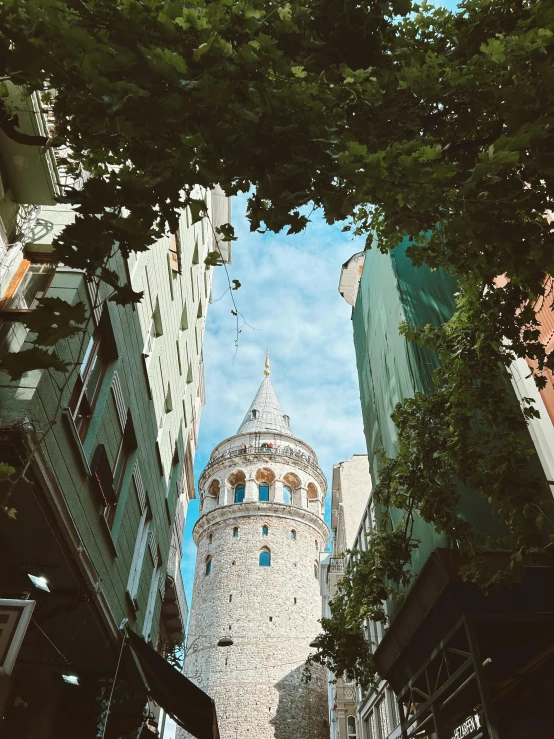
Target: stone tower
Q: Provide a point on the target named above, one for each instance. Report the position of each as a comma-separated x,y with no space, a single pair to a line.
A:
259,536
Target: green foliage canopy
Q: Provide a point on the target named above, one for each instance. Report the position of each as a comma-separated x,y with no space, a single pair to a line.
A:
410,121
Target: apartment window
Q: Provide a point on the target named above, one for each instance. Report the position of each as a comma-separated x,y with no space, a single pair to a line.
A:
29,284
384,725
239,493
87,386
394,712
351,726
370,729
154,330
122,457
152,595
138,555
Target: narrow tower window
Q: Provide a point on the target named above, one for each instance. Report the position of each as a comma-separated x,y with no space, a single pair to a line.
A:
316,546
287,494
265,531
236,532
293,535
210,537
208,565
265,558
254,414
315,570
263,492
239,493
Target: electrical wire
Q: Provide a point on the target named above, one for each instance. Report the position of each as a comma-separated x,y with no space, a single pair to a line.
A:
113,685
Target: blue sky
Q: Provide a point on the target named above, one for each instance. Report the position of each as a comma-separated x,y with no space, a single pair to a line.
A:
290,298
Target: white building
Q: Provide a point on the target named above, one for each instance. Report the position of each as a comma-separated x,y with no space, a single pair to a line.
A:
256,586
350,495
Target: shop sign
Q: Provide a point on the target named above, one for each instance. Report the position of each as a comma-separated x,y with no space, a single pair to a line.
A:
468,728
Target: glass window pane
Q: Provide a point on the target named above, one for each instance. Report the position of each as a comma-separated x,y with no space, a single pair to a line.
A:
208,566
32,286
264,531
287,495
264,492
265,559
293,534
239,493
384,719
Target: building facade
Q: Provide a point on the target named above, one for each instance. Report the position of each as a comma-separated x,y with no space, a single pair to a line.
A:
455,663
350,494
103,454
256,585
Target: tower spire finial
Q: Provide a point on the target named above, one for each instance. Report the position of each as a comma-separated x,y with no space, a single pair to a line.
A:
267,371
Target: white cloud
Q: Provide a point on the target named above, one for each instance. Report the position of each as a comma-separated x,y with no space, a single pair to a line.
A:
289,295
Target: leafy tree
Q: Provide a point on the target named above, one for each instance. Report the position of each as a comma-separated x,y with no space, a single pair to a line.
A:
405,119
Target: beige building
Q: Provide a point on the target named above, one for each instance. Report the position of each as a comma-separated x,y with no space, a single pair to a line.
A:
256,603
351,492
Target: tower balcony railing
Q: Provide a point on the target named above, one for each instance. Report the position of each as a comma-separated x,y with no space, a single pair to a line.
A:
336,565
278,451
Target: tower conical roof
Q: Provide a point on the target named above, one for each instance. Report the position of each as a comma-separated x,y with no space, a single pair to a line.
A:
268,416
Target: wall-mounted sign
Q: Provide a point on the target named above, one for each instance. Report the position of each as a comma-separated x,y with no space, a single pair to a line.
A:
471,727
14,619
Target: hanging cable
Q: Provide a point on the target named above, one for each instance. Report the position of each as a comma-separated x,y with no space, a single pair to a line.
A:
113,685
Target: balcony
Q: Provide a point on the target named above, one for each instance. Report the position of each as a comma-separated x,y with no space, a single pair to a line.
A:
30,172
336,565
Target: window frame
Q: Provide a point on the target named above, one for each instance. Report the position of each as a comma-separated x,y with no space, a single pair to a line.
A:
28,259
288,490
260,486
97,352
243,486
124,453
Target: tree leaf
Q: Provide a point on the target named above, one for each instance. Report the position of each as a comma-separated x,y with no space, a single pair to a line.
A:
17,363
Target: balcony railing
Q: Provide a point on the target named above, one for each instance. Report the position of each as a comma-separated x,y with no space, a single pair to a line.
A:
279,451
336,565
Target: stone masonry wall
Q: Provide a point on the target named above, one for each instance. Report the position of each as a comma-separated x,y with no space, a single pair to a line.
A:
271,613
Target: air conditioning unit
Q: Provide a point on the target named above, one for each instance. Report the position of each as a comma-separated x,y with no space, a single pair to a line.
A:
14,620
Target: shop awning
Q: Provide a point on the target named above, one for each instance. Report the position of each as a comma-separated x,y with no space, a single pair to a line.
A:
191,708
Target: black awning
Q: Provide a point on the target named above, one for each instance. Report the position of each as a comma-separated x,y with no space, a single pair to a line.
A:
191,708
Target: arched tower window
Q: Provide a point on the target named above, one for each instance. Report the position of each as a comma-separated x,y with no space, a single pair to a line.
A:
293,535
316,545
265,558
351,723
254,414
287,494
265,531
239,493
210,537
263,492
236,532
208,565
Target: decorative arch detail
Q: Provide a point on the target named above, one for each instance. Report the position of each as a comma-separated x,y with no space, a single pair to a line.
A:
236,477
214,487
264,474
312,491
292,480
